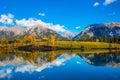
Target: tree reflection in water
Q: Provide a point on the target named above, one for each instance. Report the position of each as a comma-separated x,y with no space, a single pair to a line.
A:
14,61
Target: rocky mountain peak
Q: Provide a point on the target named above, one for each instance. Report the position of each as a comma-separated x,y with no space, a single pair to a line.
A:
98,30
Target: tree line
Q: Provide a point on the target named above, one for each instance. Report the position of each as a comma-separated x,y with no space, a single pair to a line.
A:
27,40
106,39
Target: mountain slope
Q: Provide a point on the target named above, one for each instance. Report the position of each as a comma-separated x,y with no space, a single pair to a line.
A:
68,35
41,31
37,30
98,30
10,32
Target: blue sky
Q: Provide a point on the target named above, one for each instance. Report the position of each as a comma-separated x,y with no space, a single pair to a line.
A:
73,15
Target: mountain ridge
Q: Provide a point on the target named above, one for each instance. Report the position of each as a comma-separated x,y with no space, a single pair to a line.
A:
98,30
91,31
39,31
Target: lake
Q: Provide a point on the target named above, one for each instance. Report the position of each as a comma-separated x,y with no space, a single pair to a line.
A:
59,65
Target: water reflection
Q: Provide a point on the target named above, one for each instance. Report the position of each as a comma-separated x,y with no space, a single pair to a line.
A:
41,65
18,61
103,59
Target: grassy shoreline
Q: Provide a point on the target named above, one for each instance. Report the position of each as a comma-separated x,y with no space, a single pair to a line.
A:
62,45
71,45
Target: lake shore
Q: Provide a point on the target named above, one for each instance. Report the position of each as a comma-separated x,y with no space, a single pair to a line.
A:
54,48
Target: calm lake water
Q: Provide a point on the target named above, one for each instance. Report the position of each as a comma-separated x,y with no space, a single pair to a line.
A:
59,65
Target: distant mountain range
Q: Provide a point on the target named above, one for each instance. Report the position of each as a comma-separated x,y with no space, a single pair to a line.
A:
37,30
98,30
91,31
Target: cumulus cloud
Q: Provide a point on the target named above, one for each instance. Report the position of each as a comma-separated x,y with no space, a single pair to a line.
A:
29,22
96,4
77,27
41,14
33,22
57,27
107,2
7,19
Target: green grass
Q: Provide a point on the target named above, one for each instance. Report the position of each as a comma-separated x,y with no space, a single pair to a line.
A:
86,45
73,44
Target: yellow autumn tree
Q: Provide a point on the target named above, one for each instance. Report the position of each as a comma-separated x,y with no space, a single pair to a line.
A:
52,56
45,38
51,40
18,42
4,42
30,39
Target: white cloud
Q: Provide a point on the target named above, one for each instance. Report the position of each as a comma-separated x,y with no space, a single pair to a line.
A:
77,27
78,62
41,14
33,22
107,2
96,4
29,22
57,27
6,19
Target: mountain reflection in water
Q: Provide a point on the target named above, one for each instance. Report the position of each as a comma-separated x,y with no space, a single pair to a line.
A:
48,65
102,59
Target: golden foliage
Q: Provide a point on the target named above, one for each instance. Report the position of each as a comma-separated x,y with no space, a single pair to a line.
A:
30,39
51,40
4,42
